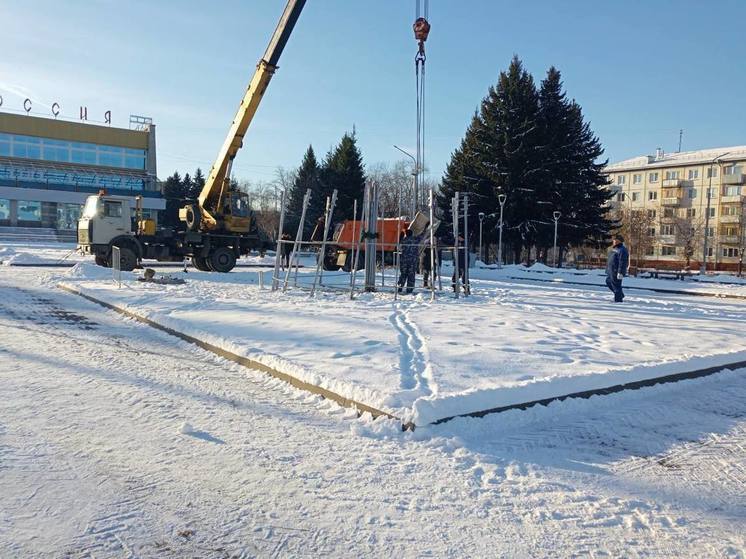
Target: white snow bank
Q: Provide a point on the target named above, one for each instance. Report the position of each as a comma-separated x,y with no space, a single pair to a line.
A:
510,343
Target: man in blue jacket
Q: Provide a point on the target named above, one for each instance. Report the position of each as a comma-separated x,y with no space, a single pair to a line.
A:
616,267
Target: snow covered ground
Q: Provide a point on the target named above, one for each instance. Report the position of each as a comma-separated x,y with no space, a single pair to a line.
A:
96,459
513,341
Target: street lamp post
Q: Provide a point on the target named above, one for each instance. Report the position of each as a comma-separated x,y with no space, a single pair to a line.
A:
703,266
481,251
501,198
556,215
415,172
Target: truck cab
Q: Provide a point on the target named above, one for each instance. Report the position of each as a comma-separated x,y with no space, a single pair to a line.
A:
107,221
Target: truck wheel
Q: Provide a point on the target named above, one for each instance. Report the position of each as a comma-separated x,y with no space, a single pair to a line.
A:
200,262
222,260
193,218
127,259
102,261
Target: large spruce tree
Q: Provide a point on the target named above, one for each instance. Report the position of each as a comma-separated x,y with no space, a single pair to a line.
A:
308,176
499,155
534,147
343,170
572,179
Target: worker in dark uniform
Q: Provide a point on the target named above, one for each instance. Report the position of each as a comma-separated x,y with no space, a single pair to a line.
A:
428,267
286,247
459,271
408,263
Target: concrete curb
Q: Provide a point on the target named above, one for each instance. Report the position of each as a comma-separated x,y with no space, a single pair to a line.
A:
245,361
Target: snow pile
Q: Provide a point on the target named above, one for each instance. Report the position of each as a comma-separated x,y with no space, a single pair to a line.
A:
22,258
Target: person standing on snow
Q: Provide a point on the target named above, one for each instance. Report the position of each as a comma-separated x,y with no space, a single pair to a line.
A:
616,267
408,264
428,269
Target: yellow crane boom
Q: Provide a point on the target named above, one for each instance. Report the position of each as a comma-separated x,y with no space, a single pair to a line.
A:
219,209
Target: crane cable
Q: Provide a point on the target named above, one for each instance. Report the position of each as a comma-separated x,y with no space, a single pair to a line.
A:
421,29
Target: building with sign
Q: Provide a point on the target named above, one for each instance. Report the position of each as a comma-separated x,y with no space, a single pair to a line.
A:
49,167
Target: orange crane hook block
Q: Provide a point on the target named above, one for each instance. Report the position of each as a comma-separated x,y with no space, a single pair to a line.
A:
421,29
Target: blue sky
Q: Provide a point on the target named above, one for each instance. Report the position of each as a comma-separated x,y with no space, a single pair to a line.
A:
641,71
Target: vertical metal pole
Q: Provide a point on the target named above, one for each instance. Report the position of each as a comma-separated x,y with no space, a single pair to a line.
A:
278,250
432,250
556,220
298,239
454,211
500,242
261,279
383,238
354,248
481,251
322,251
397,250
370,238
467,285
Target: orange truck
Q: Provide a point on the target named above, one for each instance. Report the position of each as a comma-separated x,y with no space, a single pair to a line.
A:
346,236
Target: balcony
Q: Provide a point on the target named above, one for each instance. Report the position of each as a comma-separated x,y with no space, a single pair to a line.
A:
735,218
739,199
738,178
676,183
671,201
730,239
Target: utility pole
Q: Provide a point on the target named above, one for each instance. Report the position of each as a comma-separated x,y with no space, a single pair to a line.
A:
703,266
481,252
556,215
681,135
415,185
501,198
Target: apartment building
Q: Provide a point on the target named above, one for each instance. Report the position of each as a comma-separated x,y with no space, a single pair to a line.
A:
670,202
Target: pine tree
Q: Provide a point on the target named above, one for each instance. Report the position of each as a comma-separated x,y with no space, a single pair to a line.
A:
198,182
343,170
499,155
173,192
572,178
308,176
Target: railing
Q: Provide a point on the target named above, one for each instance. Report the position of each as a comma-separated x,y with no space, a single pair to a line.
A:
671,201
734,218
730,239
738,178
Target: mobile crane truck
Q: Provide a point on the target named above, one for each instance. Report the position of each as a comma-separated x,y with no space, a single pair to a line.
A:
219,227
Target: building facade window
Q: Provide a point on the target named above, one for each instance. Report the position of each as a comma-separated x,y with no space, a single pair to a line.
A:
710,231
653,177
621,196
651,231
730,231
62,151
691,212
693,174
668,212
68,215
692,193
730,210
637,178
29,210
652,213
4,209
732,170
620,179
666,229
730,252
732,191
652,195
650,251
712,172
672,175
635,196
668,251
